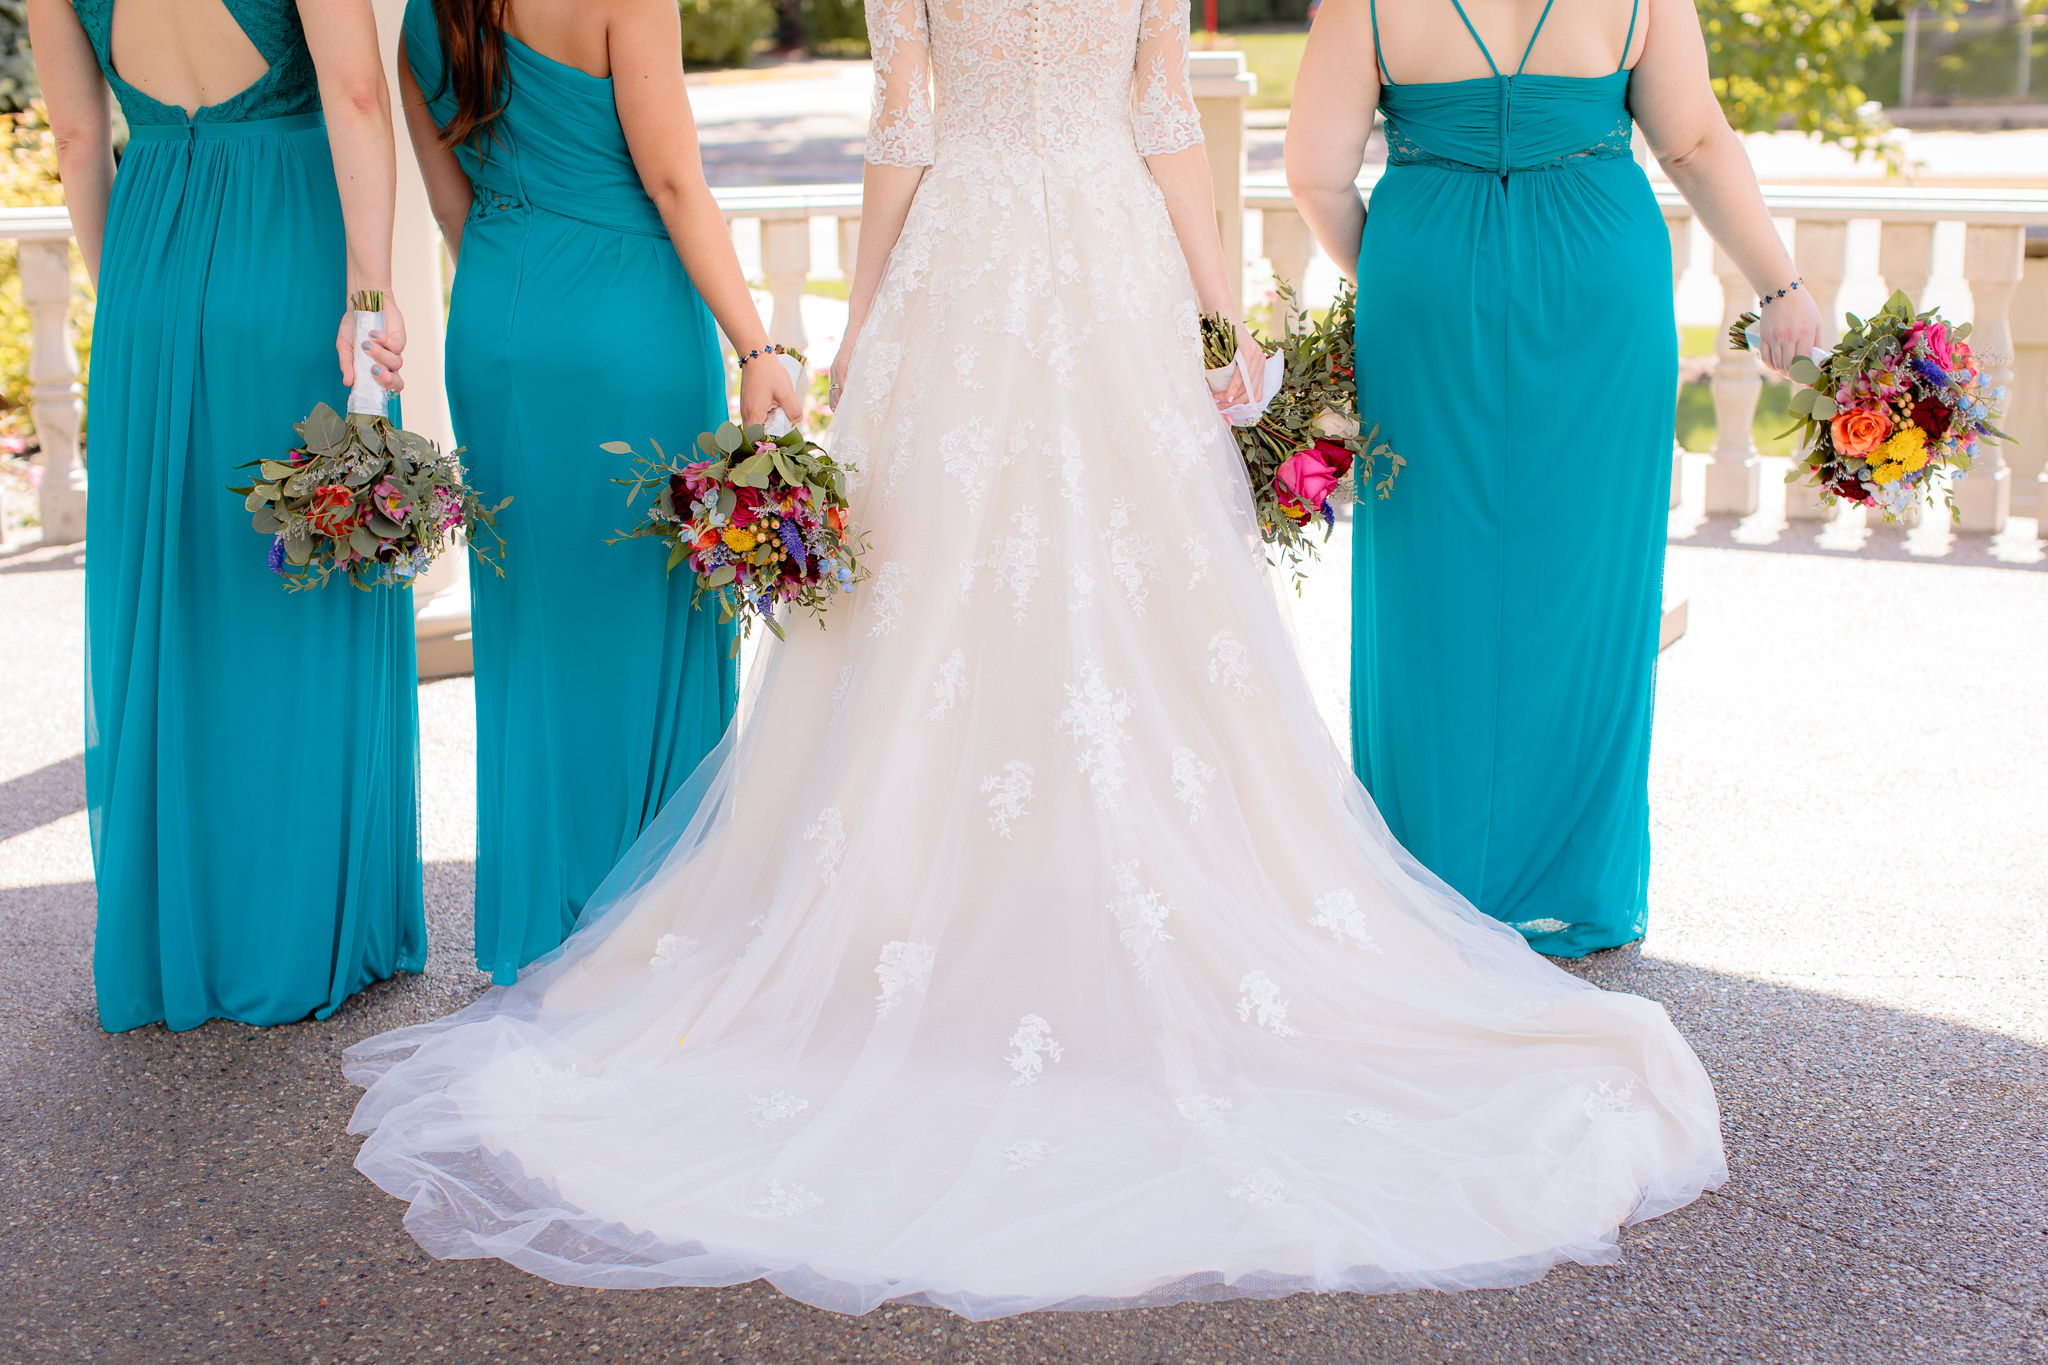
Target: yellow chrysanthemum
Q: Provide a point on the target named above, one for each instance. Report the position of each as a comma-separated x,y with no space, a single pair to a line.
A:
1907,449
738,539
1887,473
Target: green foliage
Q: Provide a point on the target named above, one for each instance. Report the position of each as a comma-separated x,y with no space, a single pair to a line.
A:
1796,62
18,83
1232,12
723,32
836,28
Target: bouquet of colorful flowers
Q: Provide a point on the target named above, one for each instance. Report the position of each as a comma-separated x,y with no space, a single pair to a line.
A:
761,520
1899,400
361,496
1302,451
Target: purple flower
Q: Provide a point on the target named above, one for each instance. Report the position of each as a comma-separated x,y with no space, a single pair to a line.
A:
277,555
1931,372
794,543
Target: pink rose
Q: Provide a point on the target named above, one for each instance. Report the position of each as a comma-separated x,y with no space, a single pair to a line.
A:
390,500
1304,482
1933,334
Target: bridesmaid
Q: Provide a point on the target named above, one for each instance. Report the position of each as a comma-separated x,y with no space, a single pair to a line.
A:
561,160
251,755
1516,344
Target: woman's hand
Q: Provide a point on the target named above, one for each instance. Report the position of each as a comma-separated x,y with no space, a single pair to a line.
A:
840,363
1251,360
385,349
1786,329
764,384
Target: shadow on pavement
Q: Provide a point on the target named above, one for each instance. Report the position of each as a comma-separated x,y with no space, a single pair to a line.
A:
1967,549
190,1197
38,798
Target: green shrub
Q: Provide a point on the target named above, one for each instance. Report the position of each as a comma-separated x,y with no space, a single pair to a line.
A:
28,178
723,32
834,28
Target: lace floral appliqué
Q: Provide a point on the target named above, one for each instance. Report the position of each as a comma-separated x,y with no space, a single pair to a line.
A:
1191,779
829,833
1095,718
1259,1002
772,1108
1259,1189
1035,1047
951,688
791,1202
1141,914
1338,912
1009,795
1230,664
906,966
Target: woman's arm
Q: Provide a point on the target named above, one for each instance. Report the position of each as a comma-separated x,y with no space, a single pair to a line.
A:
645,38
1339,80
899,148
1169,136
342,37
448,191
1674,102
81,121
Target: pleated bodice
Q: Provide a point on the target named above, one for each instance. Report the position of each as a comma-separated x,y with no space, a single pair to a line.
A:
1498,125
557,145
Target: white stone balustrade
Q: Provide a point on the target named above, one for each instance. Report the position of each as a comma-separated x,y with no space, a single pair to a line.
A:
43,243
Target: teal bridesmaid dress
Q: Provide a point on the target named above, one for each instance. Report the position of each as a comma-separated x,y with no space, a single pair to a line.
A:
1516,345
573,323
251,754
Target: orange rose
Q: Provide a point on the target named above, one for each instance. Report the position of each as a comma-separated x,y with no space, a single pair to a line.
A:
1860,430
334,512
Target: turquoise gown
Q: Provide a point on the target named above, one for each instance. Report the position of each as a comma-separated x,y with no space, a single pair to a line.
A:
598,686
251,755
1516,345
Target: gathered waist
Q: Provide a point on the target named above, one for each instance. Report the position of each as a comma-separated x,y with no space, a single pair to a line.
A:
486,203
203,132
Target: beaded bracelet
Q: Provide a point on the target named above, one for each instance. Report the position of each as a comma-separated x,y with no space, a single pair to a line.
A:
777,349
1773,298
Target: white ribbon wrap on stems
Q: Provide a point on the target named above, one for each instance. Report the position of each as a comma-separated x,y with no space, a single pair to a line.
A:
779,422
367,396
1246,414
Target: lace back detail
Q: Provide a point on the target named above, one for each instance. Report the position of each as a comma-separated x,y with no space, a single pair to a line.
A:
1403,150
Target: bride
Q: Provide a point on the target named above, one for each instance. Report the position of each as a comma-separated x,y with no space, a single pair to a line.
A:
1032,945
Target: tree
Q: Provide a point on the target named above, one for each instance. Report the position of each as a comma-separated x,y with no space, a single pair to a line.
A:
18,84
1796,62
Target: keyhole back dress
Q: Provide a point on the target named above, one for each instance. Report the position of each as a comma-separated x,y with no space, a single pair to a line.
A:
250,754
1517,345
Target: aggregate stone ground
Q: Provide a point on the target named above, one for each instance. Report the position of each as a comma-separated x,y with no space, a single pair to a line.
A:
1849,921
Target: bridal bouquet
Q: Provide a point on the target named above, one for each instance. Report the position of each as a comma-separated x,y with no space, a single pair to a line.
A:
1899,400
1302,451
360,496
761,520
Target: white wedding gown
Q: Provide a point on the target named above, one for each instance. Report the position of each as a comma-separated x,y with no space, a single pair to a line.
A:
1030,943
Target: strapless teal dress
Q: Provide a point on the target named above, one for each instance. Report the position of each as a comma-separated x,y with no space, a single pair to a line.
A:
1516,345
251,756
573,323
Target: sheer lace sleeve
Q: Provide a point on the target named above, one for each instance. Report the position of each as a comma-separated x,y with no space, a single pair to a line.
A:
900,126
1165,102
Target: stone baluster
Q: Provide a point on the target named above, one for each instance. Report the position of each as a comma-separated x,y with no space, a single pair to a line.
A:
1288,246
1905,257
1680,231
1994,257
45,266
1734,480
1820,249
1222,86
786,265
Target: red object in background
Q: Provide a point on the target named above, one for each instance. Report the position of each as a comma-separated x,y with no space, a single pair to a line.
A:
1209,15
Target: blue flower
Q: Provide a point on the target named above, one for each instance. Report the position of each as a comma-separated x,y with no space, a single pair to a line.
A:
277,555
794,543
1931,372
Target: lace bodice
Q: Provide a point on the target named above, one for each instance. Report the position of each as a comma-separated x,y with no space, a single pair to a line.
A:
272,26
1030,77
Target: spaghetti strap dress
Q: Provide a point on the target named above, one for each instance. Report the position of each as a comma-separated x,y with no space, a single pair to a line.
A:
251,755
599,688
1506,598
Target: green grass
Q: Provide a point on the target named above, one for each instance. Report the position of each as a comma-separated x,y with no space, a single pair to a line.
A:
1272,56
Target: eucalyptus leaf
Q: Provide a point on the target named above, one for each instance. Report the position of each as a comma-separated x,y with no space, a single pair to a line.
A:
1823,406
677,555
1804,371
616,447
384,528
727,501
362,541
298,551
720,576
727,438
324,430
1803,401
275,469
255,500
369,434
266,521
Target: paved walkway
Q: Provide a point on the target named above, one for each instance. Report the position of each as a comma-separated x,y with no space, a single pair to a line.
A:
1848,920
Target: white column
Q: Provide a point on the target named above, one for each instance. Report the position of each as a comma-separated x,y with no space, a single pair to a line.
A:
1993,258
2026,409
786,265
440,596
1221,86
1734,478
45,266
1288,246
1820,249
1680,232
1905,257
